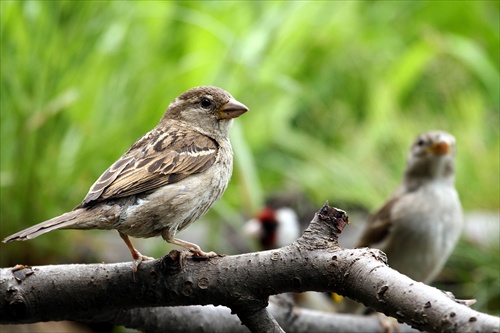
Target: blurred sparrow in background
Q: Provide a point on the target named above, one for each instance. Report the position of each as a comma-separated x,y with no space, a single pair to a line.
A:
420,224
168,178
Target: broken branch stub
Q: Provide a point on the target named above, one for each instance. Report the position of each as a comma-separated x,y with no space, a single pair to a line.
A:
324,230
335,217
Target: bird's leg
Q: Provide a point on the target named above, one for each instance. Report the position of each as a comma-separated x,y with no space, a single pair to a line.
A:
193,248
136,255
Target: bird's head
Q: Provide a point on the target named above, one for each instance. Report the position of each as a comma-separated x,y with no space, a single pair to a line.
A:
210,109
431,156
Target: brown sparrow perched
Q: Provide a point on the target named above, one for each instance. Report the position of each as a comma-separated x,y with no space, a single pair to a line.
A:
420,224
166,180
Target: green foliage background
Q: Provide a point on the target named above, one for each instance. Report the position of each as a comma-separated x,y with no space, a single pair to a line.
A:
337,91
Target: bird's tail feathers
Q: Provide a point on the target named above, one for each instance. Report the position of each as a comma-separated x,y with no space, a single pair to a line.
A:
77,219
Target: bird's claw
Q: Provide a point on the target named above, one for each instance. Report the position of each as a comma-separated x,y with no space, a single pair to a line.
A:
199,253
138,260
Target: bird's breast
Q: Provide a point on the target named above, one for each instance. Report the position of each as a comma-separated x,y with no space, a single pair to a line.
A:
426,226
175,206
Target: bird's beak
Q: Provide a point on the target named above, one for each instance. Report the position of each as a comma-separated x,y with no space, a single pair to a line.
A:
232,109
440,148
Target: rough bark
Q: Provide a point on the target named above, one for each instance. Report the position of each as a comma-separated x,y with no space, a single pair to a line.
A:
243,283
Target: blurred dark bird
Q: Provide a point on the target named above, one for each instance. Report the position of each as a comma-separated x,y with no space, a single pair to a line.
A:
420,224
278,224
273,227
282,220
167,179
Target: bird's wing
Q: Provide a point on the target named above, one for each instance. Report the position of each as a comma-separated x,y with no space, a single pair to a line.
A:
378,226
159,158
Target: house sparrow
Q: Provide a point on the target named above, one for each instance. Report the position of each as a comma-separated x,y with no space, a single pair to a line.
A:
166,180
420,224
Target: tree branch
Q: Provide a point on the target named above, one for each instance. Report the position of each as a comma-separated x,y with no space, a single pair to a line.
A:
243,283
211,319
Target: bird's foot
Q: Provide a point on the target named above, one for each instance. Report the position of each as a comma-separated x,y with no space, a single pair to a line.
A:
136,255
194,249
138,258
200,254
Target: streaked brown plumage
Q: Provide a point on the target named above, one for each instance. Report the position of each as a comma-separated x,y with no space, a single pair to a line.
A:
166,180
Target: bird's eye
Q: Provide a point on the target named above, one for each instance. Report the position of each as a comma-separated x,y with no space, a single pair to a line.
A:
206,103
420,142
